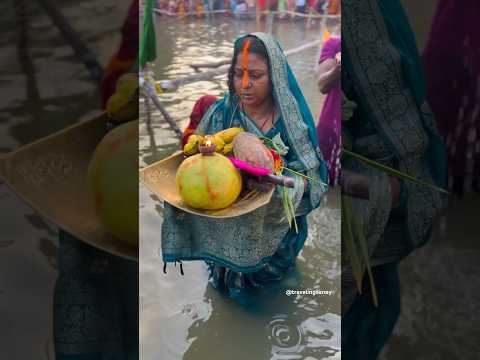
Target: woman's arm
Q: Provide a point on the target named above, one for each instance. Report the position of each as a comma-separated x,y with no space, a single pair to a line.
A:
329,72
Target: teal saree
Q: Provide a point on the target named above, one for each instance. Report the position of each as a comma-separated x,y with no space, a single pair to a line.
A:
251,243
392,124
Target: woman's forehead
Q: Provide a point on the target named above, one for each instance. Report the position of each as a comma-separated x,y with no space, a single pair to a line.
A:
255,62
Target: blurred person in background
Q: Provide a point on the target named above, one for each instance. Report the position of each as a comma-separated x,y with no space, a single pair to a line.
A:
452,65
329,124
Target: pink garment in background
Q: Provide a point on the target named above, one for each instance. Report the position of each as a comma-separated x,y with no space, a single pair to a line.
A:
329,124
452,67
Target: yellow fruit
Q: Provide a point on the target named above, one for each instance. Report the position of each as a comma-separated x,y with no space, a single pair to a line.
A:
191,147
113,182
228,149
208,182
219,143
120,108
229,134
127,84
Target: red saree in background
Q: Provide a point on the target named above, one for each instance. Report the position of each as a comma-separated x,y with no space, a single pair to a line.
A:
124,59
199,109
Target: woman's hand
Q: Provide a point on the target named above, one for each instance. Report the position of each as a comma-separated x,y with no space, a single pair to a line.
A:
355,184
254,182
329,74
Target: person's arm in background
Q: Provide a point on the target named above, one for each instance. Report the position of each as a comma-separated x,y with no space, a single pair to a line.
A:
330,66
329,73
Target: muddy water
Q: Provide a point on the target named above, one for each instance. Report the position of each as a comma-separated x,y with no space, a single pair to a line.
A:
183,317
440,303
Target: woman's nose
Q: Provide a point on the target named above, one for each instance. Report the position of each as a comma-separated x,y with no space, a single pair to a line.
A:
249,84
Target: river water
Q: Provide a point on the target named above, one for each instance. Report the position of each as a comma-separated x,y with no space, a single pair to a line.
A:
183,317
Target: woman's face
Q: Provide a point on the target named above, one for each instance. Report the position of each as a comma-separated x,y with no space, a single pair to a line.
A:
257,89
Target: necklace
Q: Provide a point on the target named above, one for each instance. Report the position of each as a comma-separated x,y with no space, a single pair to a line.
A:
268,117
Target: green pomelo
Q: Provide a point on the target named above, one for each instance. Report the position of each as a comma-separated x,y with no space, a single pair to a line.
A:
208,182
113,182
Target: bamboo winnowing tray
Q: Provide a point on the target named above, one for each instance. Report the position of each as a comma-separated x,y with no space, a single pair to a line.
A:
51,175
159,178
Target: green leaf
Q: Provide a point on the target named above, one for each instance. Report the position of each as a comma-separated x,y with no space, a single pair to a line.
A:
353,236
324,185
279,145
359,234
390,171
285,205
292,211
349,241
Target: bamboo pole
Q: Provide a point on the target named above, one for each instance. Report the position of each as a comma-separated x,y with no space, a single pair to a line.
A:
175,84
210,65
227,62
151,93
73,39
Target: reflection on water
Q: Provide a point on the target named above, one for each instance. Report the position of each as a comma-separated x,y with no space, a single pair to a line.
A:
183,317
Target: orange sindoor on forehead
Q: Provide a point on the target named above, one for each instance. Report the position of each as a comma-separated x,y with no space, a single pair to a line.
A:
245,78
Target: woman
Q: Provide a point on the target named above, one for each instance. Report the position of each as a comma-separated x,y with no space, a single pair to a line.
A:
248,251
452,64
329,124
381,72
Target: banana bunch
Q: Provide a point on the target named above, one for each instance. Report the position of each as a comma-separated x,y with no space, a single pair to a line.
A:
223,141
122,106
191,147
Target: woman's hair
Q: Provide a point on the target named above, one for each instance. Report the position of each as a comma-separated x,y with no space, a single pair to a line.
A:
256,47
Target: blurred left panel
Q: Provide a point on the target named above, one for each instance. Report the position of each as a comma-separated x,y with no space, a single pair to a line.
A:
69,179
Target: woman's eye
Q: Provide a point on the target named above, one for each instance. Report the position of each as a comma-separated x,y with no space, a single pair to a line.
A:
238,74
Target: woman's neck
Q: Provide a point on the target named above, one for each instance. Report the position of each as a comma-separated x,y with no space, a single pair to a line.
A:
259,112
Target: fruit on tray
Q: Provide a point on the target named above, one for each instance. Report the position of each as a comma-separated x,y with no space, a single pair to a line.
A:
113,182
